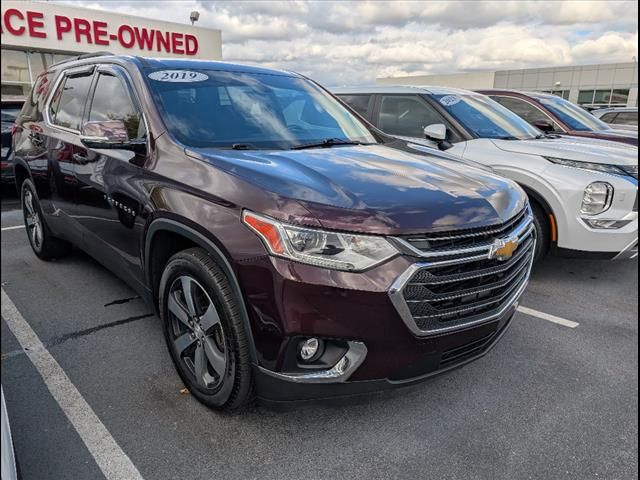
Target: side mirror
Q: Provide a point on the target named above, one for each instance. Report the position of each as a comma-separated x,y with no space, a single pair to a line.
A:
110,135
543,124
436,132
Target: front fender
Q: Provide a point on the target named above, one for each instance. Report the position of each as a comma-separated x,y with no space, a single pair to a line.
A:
211,245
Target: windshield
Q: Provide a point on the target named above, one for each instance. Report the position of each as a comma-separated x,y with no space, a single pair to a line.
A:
572,115
485,118
212,108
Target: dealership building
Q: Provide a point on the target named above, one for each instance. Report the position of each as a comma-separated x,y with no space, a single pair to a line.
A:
612,84
36,35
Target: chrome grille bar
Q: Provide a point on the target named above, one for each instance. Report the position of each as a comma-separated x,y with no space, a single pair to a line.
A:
459,287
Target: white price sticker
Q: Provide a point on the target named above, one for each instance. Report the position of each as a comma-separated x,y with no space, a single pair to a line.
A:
178,76
449,100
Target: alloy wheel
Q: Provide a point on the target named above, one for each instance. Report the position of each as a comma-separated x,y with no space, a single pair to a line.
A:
198,335
33,221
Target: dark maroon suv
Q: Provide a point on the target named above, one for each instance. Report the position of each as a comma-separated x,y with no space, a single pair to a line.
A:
290,252
553,114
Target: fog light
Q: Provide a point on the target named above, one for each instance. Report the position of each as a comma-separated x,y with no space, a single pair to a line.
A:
309,348
597,198
606,224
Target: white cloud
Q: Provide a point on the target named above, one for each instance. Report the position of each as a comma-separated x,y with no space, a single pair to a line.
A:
338,42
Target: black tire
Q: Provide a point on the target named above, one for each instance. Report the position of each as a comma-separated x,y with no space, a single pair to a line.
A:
227,385
543,232
43,243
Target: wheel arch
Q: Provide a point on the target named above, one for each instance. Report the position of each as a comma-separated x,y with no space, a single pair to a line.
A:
540,200
190,237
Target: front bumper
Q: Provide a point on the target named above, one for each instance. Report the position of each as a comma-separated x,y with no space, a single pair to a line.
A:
376,332
576,238
629,252
273,388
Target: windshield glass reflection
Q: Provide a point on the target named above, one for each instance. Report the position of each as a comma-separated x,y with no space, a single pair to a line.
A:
254,111
485,118
573,115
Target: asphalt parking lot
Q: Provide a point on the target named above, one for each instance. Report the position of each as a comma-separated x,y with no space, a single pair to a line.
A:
549,401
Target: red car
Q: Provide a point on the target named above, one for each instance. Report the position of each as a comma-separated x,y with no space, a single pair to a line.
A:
553,114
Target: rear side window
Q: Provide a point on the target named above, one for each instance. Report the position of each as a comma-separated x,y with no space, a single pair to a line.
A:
360,103
608,117
35,103
524,110
407,115
111,101
627,118
67,104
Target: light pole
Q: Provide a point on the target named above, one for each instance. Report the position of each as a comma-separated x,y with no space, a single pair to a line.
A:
194,17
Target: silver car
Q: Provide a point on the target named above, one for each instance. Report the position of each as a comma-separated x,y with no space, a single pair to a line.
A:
623,118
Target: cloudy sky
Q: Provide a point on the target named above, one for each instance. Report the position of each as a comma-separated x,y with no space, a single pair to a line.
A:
340,43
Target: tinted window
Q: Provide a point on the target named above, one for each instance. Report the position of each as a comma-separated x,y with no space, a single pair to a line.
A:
67,105
627,118
360,103
255,110
485,118
524,109
574,116
407,115
111,101
608,117
36,100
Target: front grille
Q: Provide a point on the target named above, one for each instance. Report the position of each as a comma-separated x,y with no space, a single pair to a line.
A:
461,282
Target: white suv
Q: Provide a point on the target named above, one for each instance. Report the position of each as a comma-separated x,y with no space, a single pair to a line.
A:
584,192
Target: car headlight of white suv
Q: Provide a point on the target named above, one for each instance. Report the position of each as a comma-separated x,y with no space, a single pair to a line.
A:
597,198
625,170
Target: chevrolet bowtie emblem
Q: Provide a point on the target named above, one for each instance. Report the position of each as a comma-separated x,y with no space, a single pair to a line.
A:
502,249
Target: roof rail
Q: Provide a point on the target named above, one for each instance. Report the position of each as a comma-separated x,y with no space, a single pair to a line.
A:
81,57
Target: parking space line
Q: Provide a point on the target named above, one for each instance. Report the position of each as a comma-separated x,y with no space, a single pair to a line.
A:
110,458
15,227
550,318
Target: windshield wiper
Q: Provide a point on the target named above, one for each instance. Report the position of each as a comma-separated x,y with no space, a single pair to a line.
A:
326,143
242,146
508,137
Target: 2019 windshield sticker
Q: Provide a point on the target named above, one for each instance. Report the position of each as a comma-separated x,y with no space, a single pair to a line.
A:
178,76
449,100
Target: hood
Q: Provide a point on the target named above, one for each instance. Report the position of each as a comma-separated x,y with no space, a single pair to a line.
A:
574,148
375,189
627,128
617,132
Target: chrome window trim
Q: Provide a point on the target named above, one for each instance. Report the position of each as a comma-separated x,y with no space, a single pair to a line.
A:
401,305
97,69
63,76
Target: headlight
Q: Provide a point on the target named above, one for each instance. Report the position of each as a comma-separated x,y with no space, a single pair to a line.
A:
337,251
596,167
597,198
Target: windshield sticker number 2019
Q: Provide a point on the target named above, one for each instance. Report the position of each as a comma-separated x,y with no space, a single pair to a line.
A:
185,76
449,100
